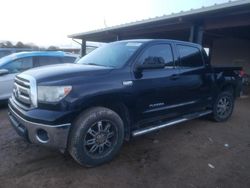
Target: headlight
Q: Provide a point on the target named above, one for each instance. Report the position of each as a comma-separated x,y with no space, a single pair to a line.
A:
52,93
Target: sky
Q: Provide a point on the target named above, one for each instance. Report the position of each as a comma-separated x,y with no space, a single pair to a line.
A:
49,22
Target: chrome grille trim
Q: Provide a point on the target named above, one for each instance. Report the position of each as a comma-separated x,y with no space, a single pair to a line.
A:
16,103
24,99
22,82
25,91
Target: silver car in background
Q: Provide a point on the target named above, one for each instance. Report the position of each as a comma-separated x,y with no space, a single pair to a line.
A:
16,63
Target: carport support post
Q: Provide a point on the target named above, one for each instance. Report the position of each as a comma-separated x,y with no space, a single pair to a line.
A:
191,35
83,50
196,34
199,38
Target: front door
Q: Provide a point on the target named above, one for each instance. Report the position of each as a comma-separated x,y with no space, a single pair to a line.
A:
157,90
6,83
14,67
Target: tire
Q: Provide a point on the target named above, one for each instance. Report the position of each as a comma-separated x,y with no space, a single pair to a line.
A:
96,137
223,106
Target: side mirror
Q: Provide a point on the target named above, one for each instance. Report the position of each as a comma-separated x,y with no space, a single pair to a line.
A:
152,63
3,72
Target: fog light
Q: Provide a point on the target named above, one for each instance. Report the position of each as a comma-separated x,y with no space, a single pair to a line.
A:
42,136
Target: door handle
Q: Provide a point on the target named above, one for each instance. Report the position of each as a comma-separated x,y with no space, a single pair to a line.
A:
174,77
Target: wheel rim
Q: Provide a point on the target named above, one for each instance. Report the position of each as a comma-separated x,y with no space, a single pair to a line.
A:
224,106
100,138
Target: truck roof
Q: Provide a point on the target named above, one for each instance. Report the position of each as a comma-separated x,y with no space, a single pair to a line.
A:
160,40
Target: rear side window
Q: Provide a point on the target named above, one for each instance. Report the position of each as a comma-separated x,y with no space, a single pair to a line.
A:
190,57
19,65
48,60
4,53
68,59
163,51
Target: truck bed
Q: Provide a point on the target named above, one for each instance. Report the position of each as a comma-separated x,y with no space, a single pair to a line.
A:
226,69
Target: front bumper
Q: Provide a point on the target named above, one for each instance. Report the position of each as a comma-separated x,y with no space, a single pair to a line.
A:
55,136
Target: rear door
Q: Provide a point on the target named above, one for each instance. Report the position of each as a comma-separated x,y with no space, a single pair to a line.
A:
194,78
68,59
47,60
52,60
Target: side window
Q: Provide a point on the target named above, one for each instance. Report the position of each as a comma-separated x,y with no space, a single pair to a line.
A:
36,61
163,51
48,60
190,57
19,65
4,53
68,59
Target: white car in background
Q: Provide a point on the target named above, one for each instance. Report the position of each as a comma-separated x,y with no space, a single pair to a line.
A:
13,64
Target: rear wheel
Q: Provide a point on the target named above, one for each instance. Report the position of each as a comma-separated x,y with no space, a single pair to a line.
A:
223,106
96,137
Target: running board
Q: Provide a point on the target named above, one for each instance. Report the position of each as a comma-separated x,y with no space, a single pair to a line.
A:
169,123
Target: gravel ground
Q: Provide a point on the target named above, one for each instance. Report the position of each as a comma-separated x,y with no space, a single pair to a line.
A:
198,153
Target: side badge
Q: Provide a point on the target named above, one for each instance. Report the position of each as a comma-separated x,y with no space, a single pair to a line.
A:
127,83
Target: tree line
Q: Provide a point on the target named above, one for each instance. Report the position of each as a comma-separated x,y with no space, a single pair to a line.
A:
8,44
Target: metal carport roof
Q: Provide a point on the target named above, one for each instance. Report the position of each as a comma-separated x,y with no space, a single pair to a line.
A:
176,22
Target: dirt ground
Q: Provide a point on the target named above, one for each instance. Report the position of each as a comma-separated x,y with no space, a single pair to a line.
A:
198,153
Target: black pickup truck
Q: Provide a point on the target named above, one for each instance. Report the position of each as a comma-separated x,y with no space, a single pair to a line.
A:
121,90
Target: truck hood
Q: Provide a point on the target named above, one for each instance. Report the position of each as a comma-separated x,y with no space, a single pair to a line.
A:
60,72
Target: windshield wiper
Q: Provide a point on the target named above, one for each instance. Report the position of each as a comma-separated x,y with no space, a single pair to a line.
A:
93,64
97,65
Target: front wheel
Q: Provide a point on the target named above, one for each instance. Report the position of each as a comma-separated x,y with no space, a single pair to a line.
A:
96,137
223,106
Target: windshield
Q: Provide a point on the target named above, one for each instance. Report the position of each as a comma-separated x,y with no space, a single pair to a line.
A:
111,55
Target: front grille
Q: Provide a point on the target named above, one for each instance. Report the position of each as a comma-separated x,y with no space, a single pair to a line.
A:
24,92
